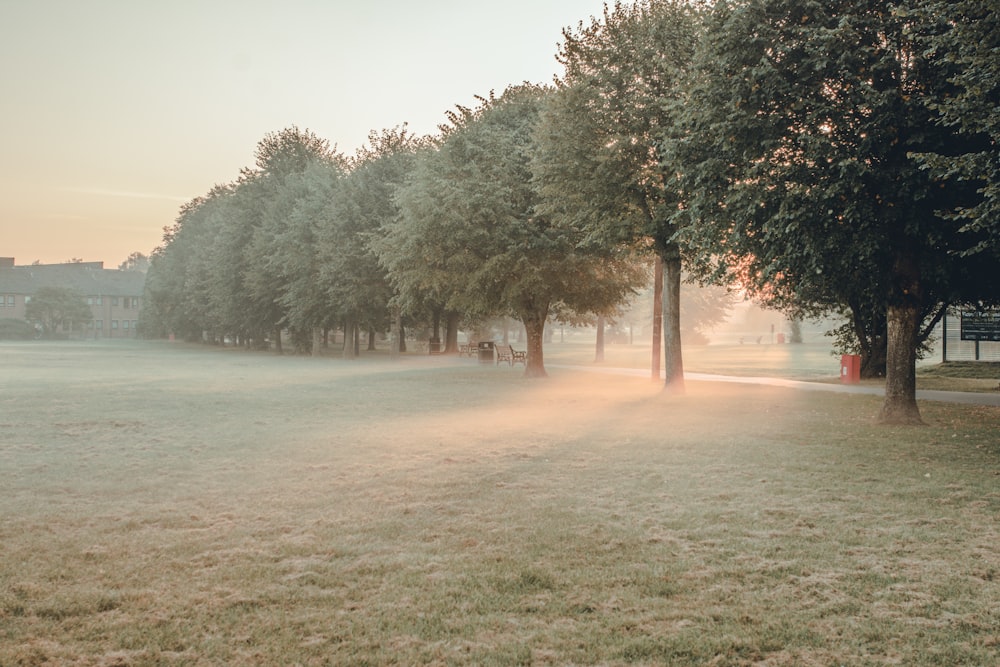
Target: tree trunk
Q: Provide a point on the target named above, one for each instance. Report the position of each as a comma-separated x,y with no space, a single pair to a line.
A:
349,338
900,406
795,335
395,334
451,333
371,339
317,341
657,317
599,346
277,341
674,369
534,325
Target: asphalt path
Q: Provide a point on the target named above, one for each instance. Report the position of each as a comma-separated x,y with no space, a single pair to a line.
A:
968,397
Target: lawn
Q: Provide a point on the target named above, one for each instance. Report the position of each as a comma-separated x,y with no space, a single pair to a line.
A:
172,505
814,362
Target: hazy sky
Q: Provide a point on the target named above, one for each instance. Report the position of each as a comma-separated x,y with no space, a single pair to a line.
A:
115,112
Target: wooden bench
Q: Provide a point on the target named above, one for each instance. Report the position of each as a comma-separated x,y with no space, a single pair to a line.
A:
469,348
510,355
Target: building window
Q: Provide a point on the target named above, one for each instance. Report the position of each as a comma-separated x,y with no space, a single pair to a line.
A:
124,324
114,324
99,325
10,300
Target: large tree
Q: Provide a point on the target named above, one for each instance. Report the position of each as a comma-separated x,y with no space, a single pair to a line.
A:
600,165
797,138
471,228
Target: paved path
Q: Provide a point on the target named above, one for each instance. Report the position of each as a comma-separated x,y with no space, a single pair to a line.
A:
973,398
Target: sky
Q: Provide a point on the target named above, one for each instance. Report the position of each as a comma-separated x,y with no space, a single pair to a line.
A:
113,113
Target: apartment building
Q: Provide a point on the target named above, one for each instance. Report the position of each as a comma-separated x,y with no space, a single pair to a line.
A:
114,296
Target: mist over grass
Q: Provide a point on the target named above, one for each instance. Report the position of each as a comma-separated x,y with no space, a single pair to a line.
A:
166,504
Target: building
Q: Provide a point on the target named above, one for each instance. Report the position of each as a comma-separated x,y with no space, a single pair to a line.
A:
114,296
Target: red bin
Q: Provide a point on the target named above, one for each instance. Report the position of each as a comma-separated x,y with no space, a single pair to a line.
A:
850,368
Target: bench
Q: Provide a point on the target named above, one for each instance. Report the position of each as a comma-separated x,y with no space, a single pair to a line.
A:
470,349
510,355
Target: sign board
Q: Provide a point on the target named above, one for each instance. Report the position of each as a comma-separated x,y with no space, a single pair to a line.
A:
981,325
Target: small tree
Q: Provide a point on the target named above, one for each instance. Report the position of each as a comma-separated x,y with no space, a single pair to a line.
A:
56,308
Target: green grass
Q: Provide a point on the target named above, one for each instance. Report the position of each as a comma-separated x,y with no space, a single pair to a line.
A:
813,361
169,505
978,370
810,362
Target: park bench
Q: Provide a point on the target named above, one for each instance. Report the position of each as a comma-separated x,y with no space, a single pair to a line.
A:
510,355
469,348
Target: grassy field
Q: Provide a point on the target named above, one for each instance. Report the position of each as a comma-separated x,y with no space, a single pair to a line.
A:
171,505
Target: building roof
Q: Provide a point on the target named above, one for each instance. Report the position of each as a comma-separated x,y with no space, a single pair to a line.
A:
88,278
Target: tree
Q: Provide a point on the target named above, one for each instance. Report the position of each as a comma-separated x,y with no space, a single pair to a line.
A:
364,203
136,261
291,253
57,308
600,164
175,301
470,227
797,135
274,255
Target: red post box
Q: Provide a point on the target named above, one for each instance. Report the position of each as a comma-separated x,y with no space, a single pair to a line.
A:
850,368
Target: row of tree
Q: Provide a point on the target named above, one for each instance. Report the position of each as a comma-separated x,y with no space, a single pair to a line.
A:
835,156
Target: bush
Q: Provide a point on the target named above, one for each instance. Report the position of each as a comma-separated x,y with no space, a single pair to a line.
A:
11,329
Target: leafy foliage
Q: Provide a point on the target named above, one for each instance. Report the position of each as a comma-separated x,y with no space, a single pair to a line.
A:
57,309
963,40
12,329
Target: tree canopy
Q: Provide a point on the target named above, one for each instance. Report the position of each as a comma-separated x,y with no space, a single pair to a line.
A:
963,39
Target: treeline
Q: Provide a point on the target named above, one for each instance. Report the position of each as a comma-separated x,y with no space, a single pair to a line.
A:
828,157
